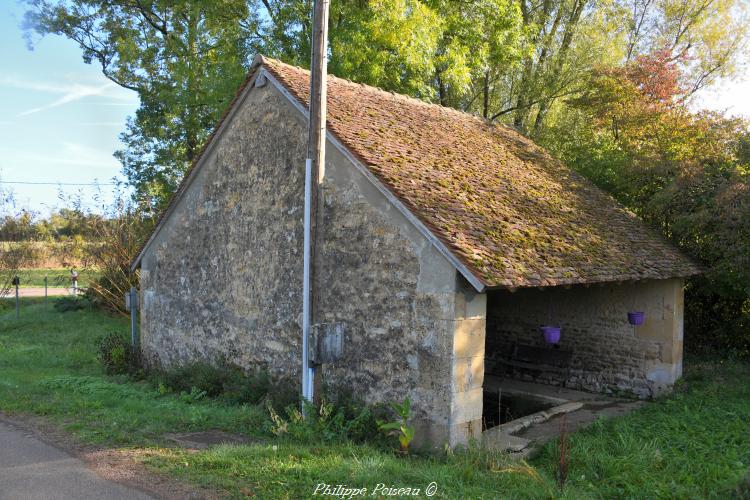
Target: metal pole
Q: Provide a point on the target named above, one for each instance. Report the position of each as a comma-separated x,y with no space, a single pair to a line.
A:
306,286
314,173
133,318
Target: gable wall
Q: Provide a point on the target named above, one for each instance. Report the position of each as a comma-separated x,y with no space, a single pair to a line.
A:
223,277
226,262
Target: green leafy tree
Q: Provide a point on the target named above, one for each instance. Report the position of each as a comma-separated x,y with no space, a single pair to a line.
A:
685,173
183,58
567,38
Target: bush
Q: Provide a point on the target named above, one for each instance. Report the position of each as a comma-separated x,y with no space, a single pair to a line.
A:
226,382
326,422
72,303
201,376
117,356
120,235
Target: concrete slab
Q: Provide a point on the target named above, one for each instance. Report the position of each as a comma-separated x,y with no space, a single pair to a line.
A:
545,431
206,439
496,439
578,408
33,470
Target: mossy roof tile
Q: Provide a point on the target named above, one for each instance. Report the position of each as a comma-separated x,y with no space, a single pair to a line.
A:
515,216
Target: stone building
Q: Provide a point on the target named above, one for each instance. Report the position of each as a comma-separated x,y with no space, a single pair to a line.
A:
443,239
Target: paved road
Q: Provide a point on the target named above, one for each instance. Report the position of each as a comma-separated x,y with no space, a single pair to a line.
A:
33,470
37,292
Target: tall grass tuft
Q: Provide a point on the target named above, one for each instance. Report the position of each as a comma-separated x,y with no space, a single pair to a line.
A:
121,235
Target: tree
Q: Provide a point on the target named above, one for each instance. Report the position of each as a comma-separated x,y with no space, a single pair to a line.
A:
183,58
567,38
15,251
687,174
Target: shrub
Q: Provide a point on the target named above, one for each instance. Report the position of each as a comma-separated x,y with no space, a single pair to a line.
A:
400,427
117,356
204,377
226,382
119,236
325,422
71,303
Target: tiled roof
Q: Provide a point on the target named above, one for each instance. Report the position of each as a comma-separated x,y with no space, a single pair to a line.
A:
513,214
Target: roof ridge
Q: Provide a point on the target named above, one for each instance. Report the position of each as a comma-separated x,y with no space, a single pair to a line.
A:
397,95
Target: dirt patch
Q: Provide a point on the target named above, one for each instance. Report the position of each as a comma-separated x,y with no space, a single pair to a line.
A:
38,292
206,439
118,465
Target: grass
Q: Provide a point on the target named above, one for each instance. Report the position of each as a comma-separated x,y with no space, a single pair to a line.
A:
694,444
55,277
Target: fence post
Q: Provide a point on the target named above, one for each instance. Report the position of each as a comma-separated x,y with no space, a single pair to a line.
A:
133,317
74,279
45,288
17,282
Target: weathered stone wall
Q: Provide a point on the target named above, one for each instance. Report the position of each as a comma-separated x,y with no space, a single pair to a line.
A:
609,354
224,278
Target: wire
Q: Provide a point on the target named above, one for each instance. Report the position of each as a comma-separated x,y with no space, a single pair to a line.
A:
60,183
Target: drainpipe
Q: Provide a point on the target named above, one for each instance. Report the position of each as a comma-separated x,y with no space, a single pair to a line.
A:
307,371
314,172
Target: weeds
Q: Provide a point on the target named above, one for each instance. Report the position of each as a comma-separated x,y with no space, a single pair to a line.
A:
562,466
68,304
400,428
225,382
117,356
325,422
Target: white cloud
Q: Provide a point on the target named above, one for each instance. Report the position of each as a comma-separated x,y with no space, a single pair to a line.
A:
69,154
76,93
69,92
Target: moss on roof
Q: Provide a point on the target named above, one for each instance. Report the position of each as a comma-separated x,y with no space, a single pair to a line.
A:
513,214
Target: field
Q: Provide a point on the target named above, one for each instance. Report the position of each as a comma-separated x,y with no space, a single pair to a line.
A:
55,277
694,444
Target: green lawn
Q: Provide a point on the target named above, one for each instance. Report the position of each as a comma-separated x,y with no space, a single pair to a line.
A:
55,277
695,444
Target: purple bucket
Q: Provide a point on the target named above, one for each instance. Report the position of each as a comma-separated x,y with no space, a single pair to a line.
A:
551,334
636,317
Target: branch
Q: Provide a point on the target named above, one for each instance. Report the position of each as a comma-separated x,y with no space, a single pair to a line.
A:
532,103
151,18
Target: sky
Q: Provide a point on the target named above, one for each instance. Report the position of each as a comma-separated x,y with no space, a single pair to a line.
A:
60,118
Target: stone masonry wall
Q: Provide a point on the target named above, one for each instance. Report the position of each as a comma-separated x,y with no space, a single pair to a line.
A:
223,278
609,354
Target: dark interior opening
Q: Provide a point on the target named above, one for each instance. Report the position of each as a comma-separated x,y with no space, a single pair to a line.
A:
509,407
501,350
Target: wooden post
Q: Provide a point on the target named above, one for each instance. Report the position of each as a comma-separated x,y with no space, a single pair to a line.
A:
315,172
18,303
316,145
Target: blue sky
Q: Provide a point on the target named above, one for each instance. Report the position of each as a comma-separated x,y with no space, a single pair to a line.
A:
60,118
